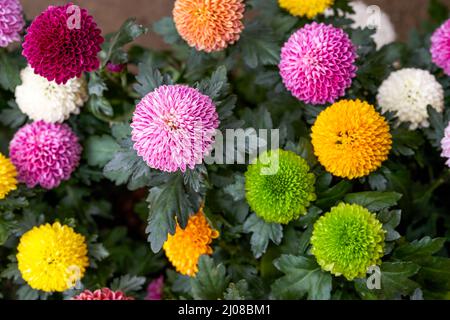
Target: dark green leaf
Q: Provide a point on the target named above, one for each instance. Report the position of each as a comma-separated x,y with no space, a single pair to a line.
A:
262,232
374,200
211,280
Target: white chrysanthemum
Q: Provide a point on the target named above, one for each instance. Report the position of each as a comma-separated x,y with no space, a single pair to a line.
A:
40,99
408,93
371,17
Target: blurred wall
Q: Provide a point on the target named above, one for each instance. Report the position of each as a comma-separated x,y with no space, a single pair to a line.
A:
110,14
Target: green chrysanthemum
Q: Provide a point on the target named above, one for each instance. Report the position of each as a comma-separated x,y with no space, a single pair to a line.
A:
348,240
279,186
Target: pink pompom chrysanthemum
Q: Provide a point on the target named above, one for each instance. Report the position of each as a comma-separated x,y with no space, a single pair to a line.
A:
440,47
11,21
62,43
174,127
155,289
445,145
102,294
45,154
318,63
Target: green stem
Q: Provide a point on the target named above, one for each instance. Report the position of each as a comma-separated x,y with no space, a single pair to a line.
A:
440,181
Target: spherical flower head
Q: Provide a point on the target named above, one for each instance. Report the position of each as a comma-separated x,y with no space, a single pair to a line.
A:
62,43
8,174
155,289
45,154
11,22
279,186
209,25
351,139
305,8
440,47
52,258
445,145
174,127
348,240
185,247
318,63
408,93
45,100
102,294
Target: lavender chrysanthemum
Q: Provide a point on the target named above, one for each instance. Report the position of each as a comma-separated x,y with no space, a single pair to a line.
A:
174,127
445,145
318,63
45,154
440,47
11,21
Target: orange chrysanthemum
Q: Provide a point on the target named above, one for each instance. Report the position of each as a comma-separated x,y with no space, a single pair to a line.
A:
185,247
351,139
209,25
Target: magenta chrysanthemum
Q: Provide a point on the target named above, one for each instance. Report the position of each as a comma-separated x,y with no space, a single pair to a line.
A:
58,47
11,21
102,294
155,289
174,127
440,47
45,154
318,63
445,145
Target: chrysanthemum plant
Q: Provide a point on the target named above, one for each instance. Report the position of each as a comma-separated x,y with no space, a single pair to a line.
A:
378,233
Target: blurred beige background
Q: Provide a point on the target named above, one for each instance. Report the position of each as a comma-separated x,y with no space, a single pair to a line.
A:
110,14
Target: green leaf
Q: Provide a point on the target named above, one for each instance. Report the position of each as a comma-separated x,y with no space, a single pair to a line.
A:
436,271
390,220
419,248
303,277
12,117
374,200
238,291
149,79
259,46
100,150
395,281
166,28
211,280
9,71
166,202
100,107
112,48
331,196
237,189
217,86
262,232
438,11
128,284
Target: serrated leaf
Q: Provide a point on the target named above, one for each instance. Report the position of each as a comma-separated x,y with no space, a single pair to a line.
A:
112,48
331,196
238,291
303,277
9,71
12,117
211,280
217,85
128,284
166,28
262,232
149,79
237,189
374,200
100,150
419,248
166,202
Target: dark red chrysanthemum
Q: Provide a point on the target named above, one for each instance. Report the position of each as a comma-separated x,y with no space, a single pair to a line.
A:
62,43
102,294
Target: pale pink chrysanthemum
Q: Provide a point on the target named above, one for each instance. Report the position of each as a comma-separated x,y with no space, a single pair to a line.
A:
155,289
174,127
445,145
11,21
318,63
440,47
102,294
45,154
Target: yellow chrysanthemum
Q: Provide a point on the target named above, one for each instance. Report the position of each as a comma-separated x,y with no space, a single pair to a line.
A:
52,257
305,8
8,173
351,139
185,247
